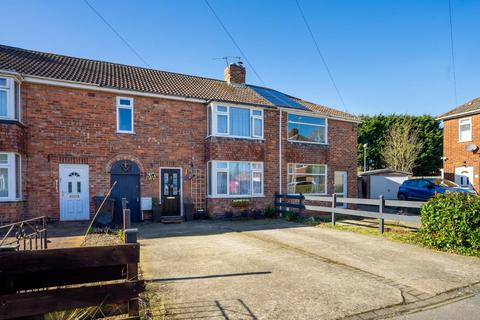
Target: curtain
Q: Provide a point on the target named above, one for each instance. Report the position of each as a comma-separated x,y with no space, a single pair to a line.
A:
3,182
239,122
240,177
3,103
221,183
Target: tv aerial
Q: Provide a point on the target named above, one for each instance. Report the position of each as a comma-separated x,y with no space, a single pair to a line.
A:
228,59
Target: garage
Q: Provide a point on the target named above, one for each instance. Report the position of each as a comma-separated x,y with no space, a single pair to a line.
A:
384,182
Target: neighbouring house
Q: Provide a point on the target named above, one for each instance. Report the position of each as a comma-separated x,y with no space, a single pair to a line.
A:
374,183
461,140
71,127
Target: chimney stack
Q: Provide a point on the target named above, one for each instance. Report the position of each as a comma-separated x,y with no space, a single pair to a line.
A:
234,74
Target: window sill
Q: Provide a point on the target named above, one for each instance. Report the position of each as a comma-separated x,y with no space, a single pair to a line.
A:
127,132
12,121
308,194
309,143
460,141
236,197
11,200
235,138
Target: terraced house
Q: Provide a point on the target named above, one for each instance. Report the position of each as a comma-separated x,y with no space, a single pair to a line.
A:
70,127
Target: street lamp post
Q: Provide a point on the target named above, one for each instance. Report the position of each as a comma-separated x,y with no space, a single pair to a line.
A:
365,157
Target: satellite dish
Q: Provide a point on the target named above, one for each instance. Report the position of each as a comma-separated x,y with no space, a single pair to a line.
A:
471,147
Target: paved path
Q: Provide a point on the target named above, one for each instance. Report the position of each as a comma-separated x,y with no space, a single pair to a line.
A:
465,309
277,270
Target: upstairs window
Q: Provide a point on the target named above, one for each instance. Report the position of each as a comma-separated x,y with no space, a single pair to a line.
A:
9,99
307,129
465,129
236,122
124,115
10,177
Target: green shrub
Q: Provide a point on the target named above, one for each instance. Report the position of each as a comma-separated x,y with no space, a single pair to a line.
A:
270,213
451,221
292,216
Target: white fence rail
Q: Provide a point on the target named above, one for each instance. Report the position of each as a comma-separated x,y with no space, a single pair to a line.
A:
380,214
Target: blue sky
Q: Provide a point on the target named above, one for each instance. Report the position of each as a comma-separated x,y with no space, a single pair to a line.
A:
385,56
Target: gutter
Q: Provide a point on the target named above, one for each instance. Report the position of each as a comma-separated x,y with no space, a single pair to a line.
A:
457,115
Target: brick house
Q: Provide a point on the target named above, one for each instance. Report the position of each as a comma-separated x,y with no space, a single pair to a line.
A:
70,127
461,141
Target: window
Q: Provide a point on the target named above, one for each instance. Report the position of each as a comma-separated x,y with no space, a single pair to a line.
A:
10,176
235,122
9,99
465,129
306,178
124,115
235,179
307,129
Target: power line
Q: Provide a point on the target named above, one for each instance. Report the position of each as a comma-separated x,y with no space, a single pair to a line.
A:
453,52
243,54
320,54
117,34
235,43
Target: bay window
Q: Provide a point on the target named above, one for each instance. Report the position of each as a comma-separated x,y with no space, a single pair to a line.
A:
307,178
233,121
9,99
235,178
308,129
10,176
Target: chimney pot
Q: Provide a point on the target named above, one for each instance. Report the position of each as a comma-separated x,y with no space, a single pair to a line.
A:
234,73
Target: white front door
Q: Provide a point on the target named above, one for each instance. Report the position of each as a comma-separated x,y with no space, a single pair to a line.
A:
340,185
464,177
74,201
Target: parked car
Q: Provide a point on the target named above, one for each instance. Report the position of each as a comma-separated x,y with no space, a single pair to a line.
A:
425,188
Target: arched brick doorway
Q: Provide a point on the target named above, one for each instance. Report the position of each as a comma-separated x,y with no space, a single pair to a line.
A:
127,175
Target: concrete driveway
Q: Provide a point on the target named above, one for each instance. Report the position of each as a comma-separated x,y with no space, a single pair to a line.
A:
276,270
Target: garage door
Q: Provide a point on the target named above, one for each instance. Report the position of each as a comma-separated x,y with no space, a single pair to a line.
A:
386,186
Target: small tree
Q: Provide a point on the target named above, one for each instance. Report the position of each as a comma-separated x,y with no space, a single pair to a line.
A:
402,147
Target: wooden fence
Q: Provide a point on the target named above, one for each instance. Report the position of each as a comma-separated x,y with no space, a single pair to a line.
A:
305,203
283,203
33,282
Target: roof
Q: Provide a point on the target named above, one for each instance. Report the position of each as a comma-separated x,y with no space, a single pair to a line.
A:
470,107
119,76
383,171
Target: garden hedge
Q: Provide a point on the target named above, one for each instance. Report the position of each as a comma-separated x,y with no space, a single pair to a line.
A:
451,221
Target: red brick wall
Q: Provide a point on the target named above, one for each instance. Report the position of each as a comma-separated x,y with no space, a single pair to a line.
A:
455,151
74,126
12,137
79,126
265,151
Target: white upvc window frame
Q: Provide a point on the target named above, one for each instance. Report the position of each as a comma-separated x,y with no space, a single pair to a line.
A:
464,121
131,108
215,110
13,99
12,176
308,124
312,174
214,169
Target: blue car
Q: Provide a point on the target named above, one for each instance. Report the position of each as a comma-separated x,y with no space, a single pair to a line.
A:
425,188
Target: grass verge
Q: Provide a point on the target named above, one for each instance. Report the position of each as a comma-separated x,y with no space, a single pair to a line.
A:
394,232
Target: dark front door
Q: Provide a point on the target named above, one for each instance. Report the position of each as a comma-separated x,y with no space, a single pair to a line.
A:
127,175
171,188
